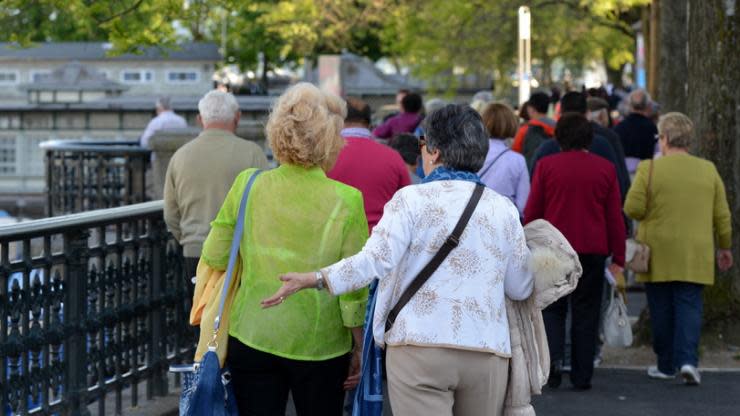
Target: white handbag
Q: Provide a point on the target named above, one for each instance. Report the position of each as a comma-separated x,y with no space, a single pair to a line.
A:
617,328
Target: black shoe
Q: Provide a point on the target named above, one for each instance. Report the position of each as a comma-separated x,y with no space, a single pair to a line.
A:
582,387
556,377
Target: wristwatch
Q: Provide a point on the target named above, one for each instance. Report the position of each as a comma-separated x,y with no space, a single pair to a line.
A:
319,280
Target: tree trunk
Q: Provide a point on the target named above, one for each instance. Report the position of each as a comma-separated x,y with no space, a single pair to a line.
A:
672,83
653,46
713,103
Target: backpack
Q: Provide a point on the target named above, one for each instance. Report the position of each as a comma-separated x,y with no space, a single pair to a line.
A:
535,136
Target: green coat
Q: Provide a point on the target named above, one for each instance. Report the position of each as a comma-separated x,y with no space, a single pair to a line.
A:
688,213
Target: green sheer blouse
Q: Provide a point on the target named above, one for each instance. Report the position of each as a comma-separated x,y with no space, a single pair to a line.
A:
297,220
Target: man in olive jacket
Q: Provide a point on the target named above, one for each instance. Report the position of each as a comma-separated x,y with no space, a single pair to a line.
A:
201,172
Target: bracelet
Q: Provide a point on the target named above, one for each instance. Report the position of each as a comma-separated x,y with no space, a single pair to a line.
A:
319,280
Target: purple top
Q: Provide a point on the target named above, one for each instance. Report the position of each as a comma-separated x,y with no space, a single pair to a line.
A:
508,176
400,123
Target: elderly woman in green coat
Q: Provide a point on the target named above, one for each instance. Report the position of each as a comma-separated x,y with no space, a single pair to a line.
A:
683,213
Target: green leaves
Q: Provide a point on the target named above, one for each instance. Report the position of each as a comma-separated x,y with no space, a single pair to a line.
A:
437,38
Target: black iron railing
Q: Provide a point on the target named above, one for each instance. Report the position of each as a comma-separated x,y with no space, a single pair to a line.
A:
93,309
83,176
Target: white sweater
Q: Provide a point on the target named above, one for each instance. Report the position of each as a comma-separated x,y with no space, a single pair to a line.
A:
462,305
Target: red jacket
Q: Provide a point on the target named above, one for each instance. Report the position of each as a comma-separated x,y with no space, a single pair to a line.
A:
578,193
518,145
375,169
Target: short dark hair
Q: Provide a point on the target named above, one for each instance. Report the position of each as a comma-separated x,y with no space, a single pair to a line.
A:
573,102
539,101
411,103
457,132
407,145
358,111
574,132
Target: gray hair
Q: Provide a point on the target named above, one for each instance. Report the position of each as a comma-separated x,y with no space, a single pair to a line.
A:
639,100
458,133
485,96
480,100
677,128
164,103
433,105
218,106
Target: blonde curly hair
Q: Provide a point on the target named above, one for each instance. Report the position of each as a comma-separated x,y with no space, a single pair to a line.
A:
304,126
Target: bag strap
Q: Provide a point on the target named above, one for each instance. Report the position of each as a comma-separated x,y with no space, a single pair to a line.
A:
235,240
649,186
492,163
452,241
649,191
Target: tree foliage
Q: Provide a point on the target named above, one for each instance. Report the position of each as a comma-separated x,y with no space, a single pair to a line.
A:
128,24
438,38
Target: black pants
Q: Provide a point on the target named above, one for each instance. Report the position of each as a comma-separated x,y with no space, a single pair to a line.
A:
262,382
586,307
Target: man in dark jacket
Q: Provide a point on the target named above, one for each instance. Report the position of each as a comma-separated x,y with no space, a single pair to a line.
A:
575,102
637,132
598,114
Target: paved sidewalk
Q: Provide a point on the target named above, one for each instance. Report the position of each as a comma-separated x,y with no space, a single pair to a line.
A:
631,392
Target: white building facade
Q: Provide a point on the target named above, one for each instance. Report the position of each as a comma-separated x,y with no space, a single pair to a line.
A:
187,70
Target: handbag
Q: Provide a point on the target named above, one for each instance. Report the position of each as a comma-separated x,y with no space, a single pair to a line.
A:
637,258
452,241
206,385
617,329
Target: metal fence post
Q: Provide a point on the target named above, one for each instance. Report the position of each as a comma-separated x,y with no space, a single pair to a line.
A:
75,311
157,359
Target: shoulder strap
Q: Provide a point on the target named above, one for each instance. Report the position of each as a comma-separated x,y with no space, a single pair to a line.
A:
649,192
649,186
490,165
452,241
235,240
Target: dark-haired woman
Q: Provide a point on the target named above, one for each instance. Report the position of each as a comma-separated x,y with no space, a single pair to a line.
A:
449,347
578,193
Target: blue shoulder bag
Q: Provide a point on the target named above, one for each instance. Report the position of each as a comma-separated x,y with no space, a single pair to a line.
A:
206,388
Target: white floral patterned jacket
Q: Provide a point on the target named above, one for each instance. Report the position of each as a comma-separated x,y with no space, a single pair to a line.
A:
462,305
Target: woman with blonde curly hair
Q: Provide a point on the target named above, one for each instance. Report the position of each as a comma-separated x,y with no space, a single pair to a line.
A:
296,219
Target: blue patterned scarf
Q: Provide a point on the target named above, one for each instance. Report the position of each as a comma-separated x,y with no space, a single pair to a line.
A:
446,174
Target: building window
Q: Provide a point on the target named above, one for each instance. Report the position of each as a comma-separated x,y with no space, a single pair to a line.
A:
136,77
38,76
7,156
182,77
9,77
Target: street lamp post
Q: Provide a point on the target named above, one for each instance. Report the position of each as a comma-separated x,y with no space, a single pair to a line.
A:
525,57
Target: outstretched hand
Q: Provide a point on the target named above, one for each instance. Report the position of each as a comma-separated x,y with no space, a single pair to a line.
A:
292,283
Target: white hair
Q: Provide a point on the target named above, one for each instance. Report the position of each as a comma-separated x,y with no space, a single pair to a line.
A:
218,106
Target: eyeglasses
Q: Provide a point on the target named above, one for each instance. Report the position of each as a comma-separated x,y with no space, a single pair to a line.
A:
422,143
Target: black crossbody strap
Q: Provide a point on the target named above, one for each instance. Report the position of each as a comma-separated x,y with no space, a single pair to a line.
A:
452,241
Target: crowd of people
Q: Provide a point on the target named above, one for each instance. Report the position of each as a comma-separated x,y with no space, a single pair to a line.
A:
350,208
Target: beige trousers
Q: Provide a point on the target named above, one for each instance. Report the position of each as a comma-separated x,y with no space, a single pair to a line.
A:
430,381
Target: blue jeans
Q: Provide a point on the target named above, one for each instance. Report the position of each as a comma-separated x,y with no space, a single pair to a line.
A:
676,315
